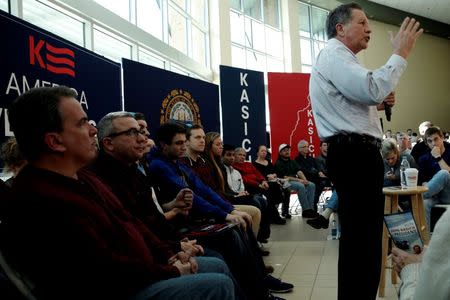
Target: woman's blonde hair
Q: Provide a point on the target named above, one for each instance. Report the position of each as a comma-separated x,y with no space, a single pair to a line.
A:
209,140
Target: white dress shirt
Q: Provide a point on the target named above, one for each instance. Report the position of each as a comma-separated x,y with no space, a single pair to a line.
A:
234,179
344,94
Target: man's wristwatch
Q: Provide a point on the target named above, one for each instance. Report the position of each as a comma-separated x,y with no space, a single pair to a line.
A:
438,159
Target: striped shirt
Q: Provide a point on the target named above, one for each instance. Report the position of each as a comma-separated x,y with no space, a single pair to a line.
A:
344,94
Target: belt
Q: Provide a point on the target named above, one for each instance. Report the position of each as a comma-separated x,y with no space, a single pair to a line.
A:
353,138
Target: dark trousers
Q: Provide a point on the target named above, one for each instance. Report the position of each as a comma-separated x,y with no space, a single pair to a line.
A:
356,170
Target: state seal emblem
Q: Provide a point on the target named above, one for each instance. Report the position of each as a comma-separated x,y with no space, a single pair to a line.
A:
180,106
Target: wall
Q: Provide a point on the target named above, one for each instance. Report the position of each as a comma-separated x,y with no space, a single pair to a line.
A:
424,89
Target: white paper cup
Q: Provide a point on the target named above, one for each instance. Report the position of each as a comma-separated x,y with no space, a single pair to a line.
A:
411,175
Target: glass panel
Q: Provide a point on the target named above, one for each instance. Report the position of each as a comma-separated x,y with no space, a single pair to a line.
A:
177,31
121,8
235,4
4,5
54,21
238,57
198,45
305,51
274,44
110,46
258,36
181,3
237,28
149,17
248,32
272,13
198,8
303,20
256,61
306,69
274,65
252,8
319,18
151,60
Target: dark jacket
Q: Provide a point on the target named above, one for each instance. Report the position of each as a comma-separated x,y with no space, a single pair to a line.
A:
133,189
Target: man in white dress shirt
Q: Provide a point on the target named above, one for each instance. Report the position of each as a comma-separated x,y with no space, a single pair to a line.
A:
345,97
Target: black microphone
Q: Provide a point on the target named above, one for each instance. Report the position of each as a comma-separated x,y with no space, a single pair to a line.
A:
387,111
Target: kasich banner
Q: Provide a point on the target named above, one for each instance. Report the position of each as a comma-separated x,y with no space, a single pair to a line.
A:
33,57
291,117
243,108
163,95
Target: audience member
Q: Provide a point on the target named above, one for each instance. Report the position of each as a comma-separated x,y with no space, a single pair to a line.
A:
69,234
13,160
392,159
434,170
242,254
275,192
404,143
256,209
426,275
289,169
120,148
322,220
322,158
310,168
421,146
256,186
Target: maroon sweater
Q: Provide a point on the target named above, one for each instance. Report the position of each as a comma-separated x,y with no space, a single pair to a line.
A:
74,239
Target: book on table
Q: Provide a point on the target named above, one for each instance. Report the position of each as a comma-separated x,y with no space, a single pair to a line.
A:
404,232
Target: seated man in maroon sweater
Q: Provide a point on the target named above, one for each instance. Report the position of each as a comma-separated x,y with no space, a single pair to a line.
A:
70,235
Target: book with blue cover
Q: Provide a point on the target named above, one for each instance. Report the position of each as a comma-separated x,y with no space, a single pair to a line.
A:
404,232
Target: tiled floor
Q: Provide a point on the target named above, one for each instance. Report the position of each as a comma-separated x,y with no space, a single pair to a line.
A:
303,256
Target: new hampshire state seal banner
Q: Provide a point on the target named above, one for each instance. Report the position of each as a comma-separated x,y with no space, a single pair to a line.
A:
165,96
291,117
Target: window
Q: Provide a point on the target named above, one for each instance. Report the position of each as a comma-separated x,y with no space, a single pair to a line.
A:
257,41
177,30
4,5
312,33
55,21
110,45
120,8
149,17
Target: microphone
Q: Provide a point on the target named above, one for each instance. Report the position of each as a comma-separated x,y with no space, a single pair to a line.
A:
387,111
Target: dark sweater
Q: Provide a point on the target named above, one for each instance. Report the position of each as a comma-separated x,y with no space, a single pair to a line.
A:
133,189
75,240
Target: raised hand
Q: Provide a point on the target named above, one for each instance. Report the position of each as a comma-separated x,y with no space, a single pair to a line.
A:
406,37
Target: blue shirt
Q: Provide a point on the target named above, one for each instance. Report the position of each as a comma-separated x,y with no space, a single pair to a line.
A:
171,177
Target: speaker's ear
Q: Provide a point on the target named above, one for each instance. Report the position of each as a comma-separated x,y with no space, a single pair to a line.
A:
54,142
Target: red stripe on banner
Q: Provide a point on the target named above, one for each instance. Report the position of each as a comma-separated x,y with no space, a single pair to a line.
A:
59,70
55,50
60,60
291,118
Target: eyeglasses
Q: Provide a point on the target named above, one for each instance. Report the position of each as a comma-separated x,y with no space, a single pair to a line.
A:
129,132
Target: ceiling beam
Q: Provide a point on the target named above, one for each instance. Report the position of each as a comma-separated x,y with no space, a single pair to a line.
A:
394,16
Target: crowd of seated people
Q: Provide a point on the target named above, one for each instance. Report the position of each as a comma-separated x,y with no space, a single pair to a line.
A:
104,213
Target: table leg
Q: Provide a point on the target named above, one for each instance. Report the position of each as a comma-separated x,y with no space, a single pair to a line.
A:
422,220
